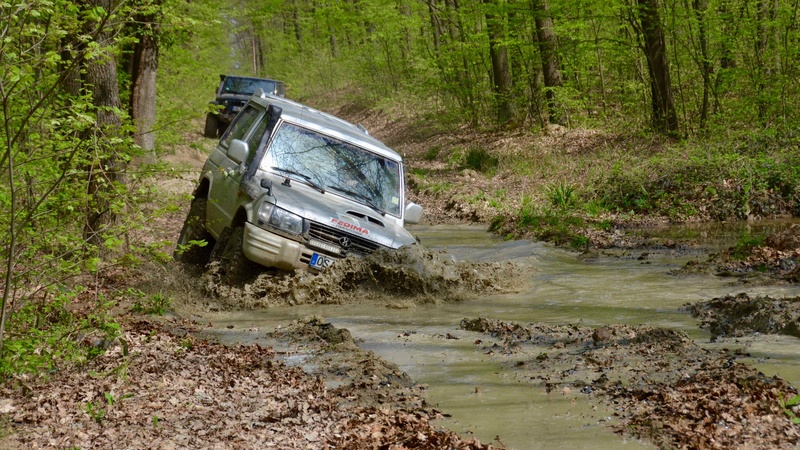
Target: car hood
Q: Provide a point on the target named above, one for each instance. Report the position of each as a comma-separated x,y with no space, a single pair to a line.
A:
332,210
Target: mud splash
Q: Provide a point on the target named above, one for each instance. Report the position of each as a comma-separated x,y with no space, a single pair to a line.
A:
401,278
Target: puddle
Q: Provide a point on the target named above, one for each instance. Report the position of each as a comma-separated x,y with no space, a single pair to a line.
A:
482,396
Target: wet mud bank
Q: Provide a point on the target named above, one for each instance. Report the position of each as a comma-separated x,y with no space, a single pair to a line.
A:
773,260
741,315
661,386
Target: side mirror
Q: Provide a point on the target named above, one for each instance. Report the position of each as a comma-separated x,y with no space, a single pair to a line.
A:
238,151
413,213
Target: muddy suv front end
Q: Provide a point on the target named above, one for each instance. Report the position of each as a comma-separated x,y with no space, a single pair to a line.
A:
290,187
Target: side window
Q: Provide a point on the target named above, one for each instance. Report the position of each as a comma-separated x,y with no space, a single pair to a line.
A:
255,138
240,125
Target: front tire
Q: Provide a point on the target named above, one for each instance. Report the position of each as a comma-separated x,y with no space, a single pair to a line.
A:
234,267
194,230
212,127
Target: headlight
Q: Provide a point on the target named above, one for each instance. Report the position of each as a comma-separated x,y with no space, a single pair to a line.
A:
280,218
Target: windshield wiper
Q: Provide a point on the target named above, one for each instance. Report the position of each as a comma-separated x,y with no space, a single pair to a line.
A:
305,177
364,199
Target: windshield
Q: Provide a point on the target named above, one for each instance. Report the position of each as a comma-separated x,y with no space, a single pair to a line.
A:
337,166
247,86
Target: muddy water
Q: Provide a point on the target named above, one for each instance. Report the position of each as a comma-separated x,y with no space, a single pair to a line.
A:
486,399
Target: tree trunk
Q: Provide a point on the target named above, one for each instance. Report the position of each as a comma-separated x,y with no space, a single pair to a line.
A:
551,69
700,9
501,72
436,26
143,83
664,117
103,171
464,80
298,32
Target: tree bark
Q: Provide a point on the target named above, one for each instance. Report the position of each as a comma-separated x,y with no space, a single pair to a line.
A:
103,171
551,69
143,83
664,117
501,72
436,26
700,10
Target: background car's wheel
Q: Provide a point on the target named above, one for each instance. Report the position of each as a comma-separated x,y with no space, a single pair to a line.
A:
194,230
212,126
234,267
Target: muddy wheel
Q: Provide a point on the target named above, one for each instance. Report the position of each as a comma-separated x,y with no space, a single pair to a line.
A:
212,126
194,230
219,247
234,267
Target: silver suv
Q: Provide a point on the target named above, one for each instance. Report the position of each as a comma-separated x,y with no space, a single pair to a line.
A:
291,187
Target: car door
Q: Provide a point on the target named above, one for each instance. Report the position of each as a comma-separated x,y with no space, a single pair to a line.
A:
224,198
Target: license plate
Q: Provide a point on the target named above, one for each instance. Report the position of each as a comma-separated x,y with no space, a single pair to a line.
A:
320,262
235,108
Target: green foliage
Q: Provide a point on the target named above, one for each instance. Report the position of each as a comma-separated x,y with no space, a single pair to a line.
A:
480,160
788,407
55,330
96,412
156,304
561,195
746,244
435,62
557,226
68,196
431,153
691,181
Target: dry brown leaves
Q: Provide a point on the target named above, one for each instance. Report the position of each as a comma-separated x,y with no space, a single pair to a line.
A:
727,405
156,390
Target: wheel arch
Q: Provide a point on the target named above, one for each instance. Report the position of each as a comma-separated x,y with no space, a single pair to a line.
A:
240,218
202,189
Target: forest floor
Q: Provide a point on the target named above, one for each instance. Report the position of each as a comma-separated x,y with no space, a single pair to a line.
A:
159,385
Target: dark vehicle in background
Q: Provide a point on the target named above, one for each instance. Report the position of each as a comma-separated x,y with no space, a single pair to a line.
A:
232,93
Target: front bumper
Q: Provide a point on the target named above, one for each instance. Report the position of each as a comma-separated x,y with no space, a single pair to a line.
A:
272,250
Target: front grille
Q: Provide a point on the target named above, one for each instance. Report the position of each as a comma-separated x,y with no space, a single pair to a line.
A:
358,245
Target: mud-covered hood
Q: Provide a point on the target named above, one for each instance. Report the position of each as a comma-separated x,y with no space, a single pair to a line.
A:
332,210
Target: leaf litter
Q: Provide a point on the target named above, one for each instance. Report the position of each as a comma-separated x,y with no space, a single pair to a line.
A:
155,388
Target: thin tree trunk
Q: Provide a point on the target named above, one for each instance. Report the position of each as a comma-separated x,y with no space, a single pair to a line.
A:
143,84
436,26
501,72
464,80
551,69
700,9
664,117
